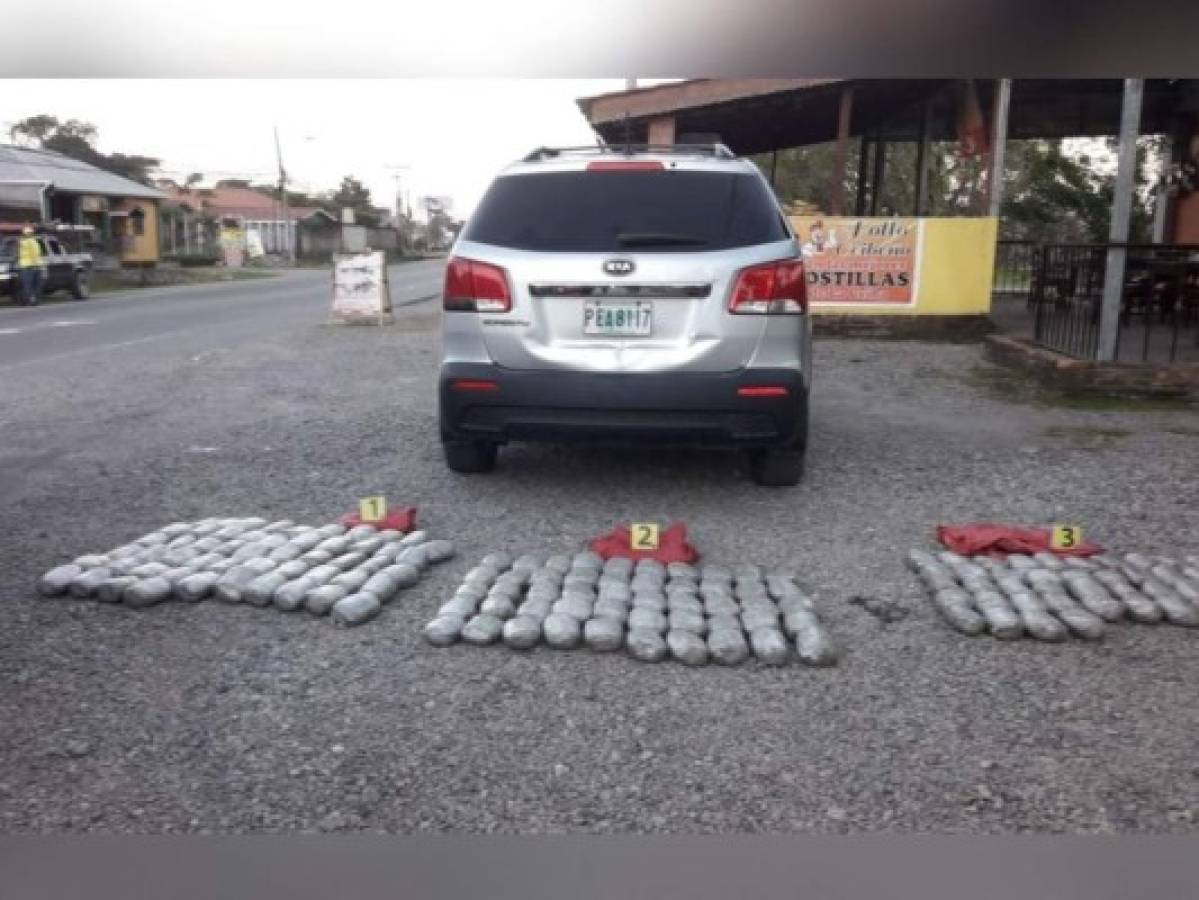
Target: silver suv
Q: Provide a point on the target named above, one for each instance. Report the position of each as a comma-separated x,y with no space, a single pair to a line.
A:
630,292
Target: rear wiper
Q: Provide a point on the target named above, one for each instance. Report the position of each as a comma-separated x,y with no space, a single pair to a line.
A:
653,239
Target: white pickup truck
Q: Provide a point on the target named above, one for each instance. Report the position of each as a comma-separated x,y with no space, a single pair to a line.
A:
61,270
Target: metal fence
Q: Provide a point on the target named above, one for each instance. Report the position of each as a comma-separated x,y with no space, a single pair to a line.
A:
1063,288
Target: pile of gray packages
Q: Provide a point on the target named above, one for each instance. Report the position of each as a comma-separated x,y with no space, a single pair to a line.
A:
1052,598
653,611
348,573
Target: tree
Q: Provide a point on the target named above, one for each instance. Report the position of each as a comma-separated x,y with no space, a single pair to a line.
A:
352,194
192,180
77,140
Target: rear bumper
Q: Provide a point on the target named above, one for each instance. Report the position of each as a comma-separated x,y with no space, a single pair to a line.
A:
669,408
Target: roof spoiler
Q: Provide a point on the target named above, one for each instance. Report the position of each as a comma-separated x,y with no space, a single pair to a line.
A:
717,151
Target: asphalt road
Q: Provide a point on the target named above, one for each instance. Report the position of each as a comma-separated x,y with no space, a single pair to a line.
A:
239,400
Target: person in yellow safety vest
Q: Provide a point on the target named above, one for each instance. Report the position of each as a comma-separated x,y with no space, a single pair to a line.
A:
29,266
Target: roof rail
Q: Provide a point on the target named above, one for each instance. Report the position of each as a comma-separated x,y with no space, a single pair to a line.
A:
720,151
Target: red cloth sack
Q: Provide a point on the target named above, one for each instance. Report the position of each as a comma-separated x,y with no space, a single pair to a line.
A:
401,518
672,545
969,540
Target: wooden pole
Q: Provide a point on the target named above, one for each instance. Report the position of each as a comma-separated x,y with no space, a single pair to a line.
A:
1117,251
841,155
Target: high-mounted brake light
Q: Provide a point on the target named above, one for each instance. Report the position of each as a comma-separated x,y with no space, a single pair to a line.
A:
625,166
773,288
473,286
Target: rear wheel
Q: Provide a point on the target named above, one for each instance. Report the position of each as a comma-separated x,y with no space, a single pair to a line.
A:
81,287
470,456
777,466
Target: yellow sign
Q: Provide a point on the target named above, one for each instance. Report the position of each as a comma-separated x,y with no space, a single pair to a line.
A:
1065,537
372,509
643,536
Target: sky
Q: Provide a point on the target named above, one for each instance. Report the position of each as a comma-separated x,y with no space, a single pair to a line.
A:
453,135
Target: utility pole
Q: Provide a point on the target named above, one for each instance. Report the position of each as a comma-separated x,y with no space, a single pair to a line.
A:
291,243
396,169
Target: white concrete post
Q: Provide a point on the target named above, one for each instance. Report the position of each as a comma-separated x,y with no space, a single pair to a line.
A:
1003,99
1117,254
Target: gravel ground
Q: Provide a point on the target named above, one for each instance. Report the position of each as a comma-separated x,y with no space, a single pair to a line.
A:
212,718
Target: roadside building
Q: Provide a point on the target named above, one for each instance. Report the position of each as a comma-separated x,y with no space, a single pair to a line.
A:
113,218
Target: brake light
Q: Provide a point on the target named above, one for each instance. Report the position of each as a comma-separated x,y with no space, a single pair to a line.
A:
774,288
473,286
625,166
475,385
762,390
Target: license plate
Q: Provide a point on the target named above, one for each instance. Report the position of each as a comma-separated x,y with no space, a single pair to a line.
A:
608,318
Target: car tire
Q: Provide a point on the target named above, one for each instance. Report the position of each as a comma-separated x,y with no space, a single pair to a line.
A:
777,466
470,456
81,287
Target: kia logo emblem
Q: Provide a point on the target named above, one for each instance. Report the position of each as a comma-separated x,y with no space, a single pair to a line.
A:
619,266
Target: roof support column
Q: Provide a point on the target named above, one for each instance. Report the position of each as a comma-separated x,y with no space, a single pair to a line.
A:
1003,99
661,130
921,197
860,204
876,180
1117,251
841,154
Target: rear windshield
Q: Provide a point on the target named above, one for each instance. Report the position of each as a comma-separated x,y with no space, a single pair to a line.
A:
606,212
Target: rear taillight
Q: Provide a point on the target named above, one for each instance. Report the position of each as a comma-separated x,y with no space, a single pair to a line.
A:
774,288
473,286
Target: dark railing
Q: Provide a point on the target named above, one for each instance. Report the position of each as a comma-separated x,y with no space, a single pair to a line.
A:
1063,284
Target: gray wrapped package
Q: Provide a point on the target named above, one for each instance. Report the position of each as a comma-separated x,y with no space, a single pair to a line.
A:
715,591
687,647
1140,608
414,537
358,532
603,634
463,607
615,592
498,560
1173,579
259,591
316,557
88,582
501,607
195,588
756,618
355,610
231,586
322,574
559,564
472,591
334,545
1139,560
584,595
149,570
728,647
716,573
720,606
146,592
348,561
641,619
687,607
367,545
375,564
112,589
577,608
522,633
1082,623
439,551
527,562
417,557
1021,561
650,603
682,570
687,621
382,586
444,630
1035,618
956,607
291,596
293,568
1176,610
770,646
1002,620
1080,562
319,600
579,580
790,604
1092,595
747,572
561,631
403,574
724,623
646,646
610,608
353,580
535,609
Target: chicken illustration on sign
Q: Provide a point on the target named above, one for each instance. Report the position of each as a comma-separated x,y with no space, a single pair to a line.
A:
856,260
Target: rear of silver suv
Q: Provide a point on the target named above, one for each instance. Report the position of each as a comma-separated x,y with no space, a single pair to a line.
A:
643,293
